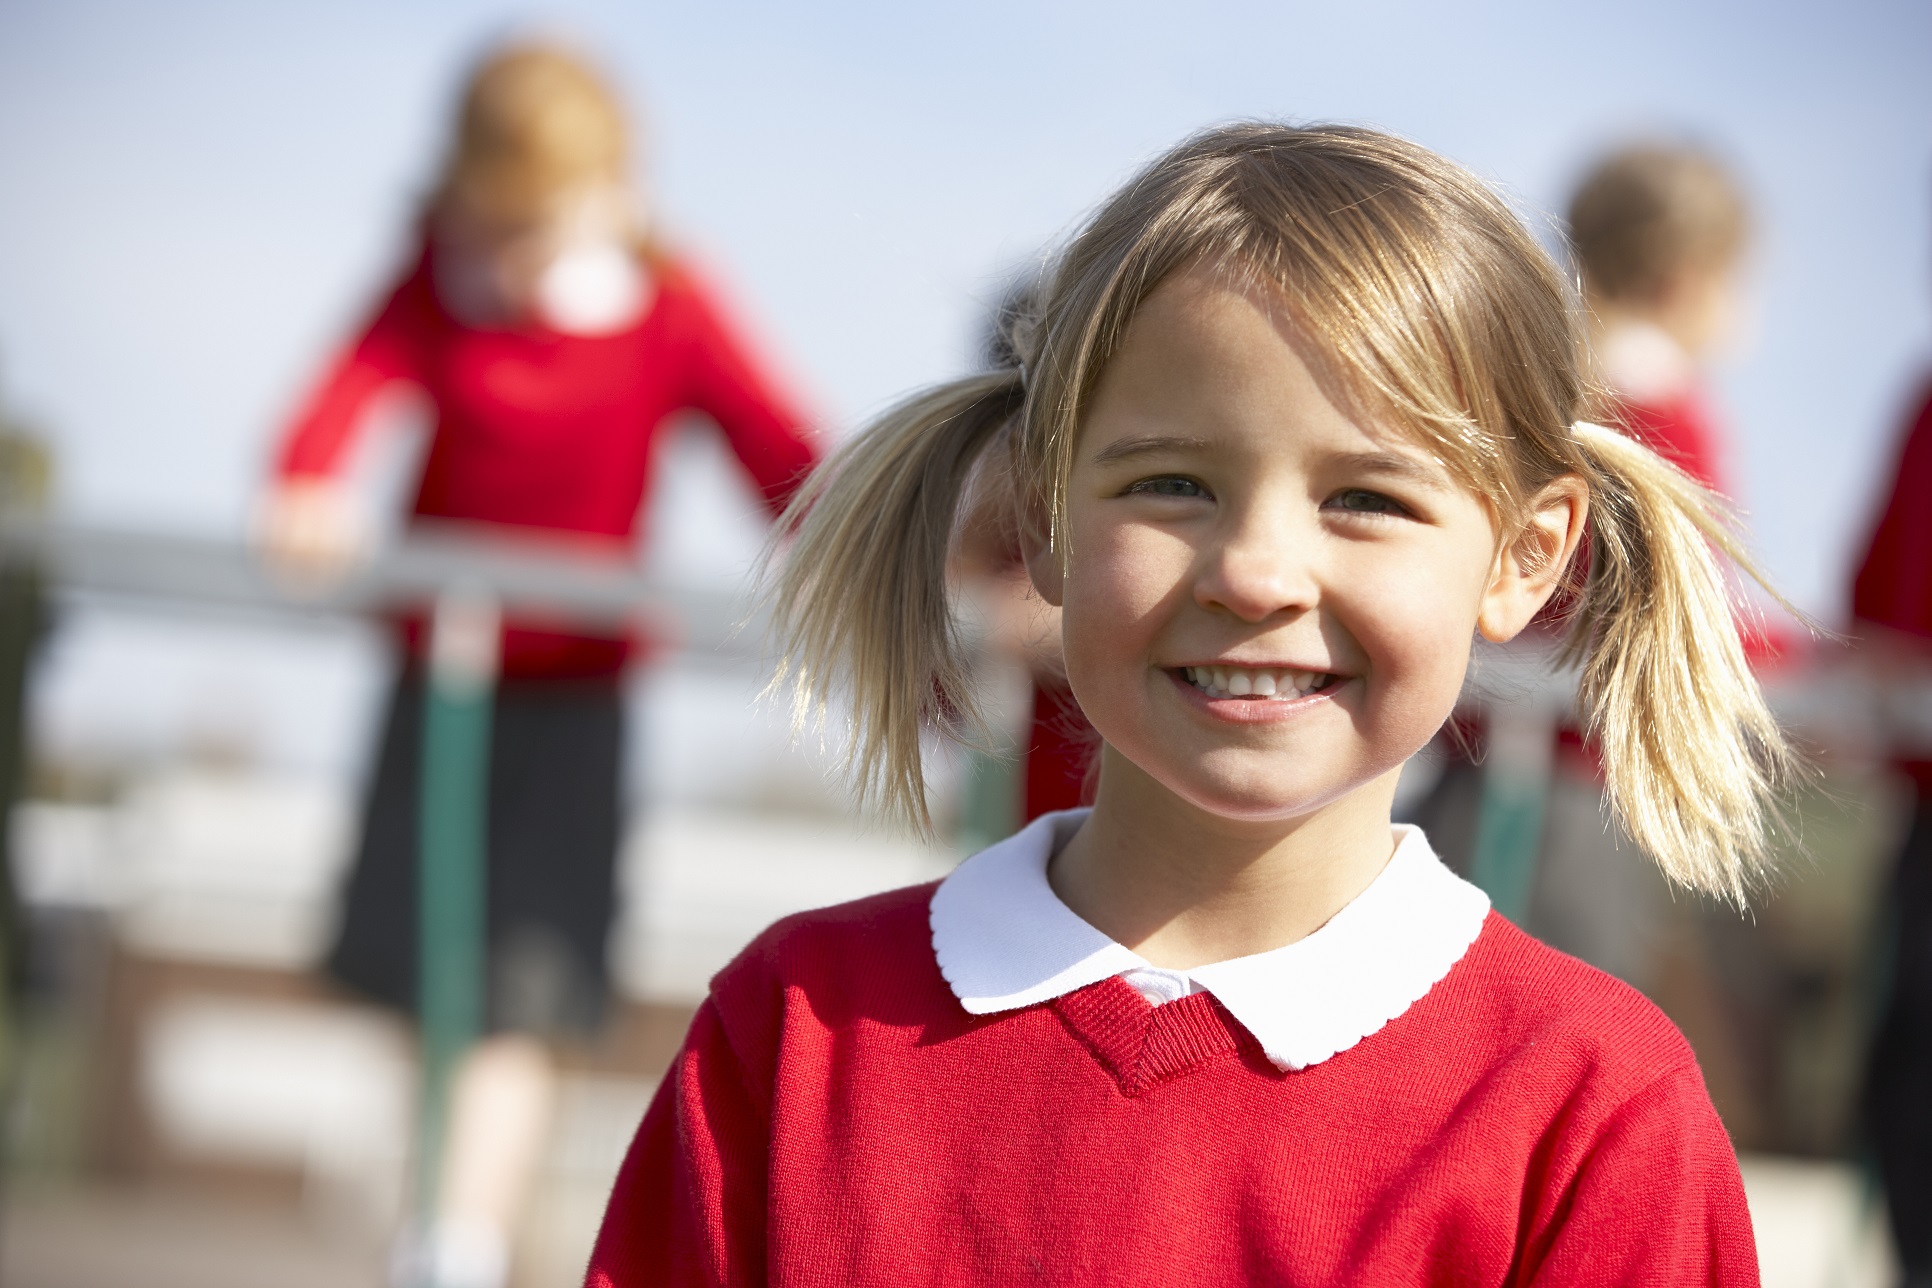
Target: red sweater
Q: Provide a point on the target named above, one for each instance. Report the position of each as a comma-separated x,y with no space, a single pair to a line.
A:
1893,587
539,429
836,1117
1681,429
1894,583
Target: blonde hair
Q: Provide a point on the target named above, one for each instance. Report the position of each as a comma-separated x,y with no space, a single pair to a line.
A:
537,126
1647,212
1438,315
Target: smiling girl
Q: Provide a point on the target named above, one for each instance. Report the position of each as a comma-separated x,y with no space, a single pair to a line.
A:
1302,414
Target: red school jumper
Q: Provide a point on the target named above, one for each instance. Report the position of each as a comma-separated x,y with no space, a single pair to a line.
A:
540,429
837,1117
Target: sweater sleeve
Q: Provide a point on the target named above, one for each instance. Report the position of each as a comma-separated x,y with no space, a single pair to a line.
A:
689,1204
765,431
1894,583
1657,1199
390,348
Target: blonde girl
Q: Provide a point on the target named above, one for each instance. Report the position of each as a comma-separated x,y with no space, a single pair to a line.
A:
1301,415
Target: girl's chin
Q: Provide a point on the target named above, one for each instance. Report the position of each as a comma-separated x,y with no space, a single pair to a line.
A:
1241,801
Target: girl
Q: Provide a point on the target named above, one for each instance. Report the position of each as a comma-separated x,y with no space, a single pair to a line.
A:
1300,416
554,338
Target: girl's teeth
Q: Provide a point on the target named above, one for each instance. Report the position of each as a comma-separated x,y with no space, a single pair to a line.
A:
1224,682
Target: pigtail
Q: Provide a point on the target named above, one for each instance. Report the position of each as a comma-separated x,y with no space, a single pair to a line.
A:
1693,757
862,604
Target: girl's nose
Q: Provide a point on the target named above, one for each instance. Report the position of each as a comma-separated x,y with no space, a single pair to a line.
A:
1259,570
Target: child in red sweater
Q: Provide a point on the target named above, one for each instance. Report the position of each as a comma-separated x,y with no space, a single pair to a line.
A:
555,337
1299,416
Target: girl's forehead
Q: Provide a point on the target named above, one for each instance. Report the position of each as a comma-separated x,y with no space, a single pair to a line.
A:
1208,299
1210,348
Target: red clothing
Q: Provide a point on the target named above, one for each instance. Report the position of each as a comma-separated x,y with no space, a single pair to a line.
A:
836,1117
1894,583
538,429
1893,587
1060,752
1683,431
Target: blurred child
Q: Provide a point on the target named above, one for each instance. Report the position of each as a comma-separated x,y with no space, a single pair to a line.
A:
1659,233
1892,612
554,335
1303,415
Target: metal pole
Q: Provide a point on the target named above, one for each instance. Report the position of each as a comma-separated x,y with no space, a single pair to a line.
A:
1515,793
991,798
452,854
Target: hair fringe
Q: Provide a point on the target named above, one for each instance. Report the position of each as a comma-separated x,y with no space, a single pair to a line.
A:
862,602
1694,760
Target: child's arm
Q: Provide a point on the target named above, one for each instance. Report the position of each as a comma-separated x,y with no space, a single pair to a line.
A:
1656,1199
689,1204
766,432
308,525
389,348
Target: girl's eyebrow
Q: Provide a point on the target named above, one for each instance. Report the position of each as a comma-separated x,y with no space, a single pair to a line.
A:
1405,467
1127,449
1395,464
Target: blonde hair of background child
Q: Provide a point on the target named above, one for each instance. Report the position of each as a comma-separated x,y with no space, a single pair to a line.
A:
1436,315
1646,213
537,127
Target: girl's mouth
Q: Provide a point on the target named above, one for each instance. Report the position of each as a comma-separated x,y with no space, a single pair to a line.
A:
1256,684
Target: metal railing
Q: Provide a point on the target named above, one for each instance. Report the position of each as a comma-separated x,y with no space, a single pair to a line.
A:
465,581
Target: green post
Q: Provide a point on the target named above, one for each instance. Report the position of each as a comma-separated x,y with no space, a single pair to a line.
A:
452,850
991,800
1515,792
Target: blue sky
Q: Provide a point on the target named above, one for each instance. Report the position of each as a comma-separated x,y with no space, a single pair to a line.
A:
200,197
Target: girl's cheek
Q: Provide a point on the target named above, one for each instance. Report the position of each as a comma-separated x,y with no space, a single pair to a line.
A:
1121,573
1424,625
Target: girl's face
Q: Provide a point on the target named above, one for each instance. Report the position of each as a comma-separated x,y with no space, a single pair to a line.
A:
1268,605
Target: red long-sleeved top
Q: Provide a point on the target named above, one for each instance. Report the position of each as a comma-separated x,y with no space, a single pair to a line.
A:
538,429
1893,587
1681,429
836,1117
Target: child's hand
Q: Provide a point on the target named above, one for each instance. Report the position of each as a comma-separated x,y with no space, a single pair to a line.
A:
310,534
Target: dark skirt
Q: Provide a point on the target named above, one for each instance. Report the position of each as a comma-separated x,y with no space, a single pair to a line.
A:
553,833
1898,1090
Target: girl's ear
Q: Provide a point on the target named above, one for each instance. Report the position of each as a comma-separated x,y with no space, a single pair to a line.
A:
1529,566
1043,564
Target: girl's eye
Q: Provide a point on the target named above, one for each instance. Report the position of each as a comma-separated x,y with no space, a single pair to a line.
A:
1169,485
1356,500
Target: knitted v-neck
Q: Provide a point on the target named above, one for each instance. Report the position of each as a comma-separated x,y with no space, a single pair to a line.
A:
1143,1045
1004,940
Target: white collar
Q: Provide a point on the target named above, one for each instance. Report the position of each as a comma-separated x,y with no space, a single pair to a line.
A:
1643,362
1004,940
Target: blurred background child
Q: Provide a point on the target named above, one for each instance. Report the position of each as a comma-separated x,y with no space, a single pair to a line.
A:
1658,233
553,334
1892,618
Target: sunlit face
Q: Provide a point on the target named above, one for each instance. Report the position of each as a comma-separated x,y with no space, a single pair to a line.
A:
1268,605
